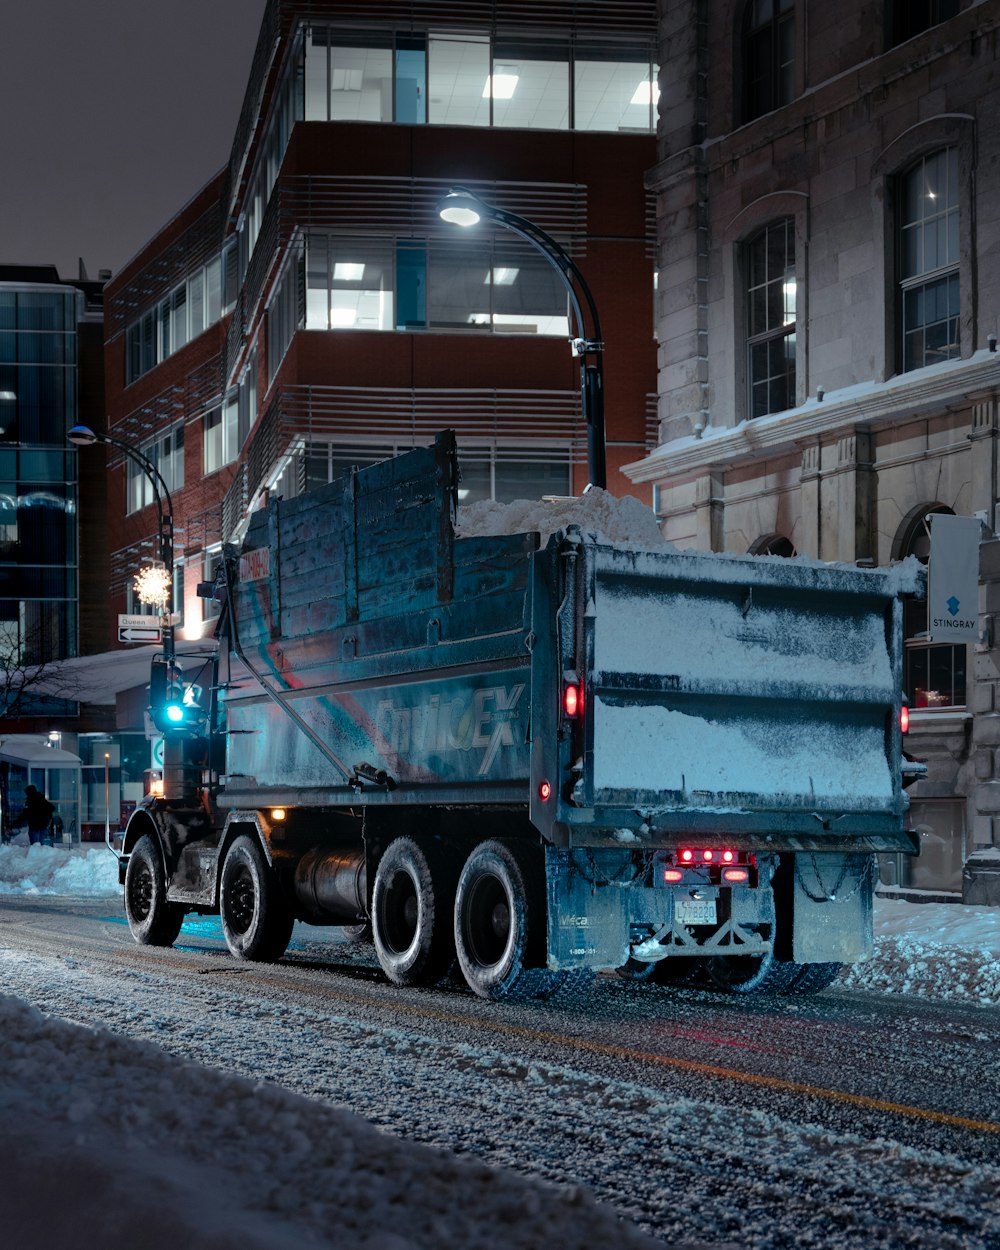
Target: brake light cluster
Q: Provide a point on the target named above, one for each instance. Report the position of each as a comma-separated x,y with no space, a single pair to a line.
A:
573,700
731,867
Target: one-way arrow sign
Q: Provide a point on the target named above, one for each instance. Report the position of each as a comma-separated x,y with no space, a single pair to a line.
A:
139,629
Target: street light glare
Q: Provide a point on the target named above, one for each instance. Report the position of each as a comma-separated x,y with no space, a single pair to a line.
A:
460,209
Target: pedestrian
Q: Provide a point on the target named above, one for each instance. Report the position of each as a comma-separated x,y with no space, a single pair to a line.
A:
37,815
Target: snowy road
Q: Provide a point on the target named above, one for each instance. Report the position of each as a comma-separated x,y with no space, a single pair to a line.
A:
841,1121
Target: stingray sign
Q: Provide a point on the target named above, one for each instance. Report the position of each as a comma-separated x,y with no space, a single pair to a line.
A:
953,578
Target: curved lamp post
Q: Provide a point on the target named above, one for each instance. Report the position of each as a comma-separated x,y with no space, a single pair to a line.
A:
84,436
462,208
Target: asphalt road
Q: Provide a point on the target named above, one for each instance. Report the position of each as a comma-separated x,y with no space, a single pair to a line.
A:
841,1120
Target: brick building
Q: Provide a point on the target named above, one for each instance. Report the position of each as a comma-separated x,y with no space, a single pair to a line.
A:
828,230
308,309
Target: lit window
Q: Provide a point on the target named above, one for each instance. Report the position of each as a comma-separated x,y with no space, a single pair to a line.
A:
771,300
929,287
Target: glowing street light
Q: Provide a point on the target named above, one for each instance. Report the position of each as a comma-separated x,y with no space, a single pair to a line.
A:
461,207
84,436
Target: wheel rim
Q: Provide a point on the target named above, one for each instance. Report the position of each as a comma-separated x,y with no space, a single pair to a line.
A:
488,921
140,894
399,913
242,900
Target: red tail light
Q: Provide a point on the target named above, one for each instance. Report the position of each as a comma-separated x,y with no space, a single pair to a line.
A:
573,701
545,791
672,876
736,875
728,857
687,856
904,719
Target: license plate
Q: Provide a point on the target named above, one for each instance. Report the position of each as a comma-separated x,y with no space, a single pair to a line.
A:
694,911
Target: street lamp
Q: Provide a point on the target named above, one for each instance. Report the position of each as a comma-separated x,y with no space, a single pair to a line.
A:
461,207
84,436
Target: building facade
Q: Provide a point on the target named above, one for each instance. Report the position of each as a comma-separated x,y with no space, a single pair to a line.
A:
308,310
828,227
53,544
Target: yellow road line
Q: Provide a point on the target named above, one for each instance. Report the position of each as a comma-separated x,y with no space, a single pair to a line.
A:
702,1069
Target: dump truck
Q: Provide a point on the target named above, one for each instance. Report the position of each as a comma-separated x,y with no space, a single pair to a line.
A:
524,763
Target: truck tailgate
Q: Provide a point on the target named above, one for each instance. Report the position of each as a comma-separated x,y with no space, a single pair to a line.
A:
744,685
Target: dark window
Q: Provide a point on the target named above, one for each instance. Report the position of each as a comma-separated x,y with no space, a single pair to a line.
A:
768,56
910,17
771,290
929,288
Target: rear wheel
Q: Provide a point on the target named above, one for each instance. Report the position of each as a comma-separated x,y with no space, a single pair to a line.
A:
751,974
152,920
499,924
675,970
256,919
411,908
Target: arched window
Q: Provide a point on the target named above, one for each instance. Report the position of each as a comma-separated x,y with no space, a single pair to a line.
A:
929,282
768,56
773,545
934,673
769,265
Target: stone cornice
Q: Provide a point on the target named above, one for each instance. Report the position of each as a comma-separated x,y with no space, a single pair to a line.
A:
939,388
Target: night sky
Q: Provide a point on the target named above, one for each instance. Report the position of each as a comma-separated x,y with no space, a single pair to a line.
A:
113,113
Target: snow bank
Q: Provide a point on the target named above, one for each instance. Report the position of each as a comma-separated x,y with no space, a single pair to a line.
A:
613,519
84,873
120,1144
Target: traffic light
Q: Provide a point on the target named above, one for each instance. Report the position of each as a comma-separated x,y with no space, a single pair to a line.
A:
173,706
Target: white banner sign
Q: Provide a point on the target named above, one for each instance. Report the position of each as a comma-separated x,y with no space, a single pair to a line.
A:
953,578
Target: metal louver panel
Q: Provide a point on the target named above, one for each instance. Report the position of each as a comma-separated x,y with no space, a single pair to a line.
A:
590,16
410,417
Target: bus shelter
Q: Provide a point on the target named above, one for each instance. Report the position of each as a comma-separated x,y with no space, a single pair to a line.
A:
26,760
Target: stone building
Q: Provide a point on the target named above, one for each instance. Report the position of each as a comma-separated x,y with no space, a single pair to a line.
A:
828,264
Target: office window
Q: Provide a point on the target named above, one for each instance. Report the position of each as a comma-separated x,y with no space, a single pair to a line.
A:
911,17
929,287
221,427
505,287
348,76
190,308
349,283
614,89
167,455
771,295
768,56
529,85
458,68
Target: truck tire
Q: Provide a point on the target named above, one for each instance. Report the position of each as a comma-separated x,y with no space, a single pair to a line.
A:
152,920
678,970
751,974
411,907
256,919
499,925
812,978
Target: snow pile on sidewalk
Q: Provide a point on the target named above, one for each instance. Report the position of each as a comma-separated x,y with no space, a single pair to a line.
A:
76,871
162,1154
944,951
